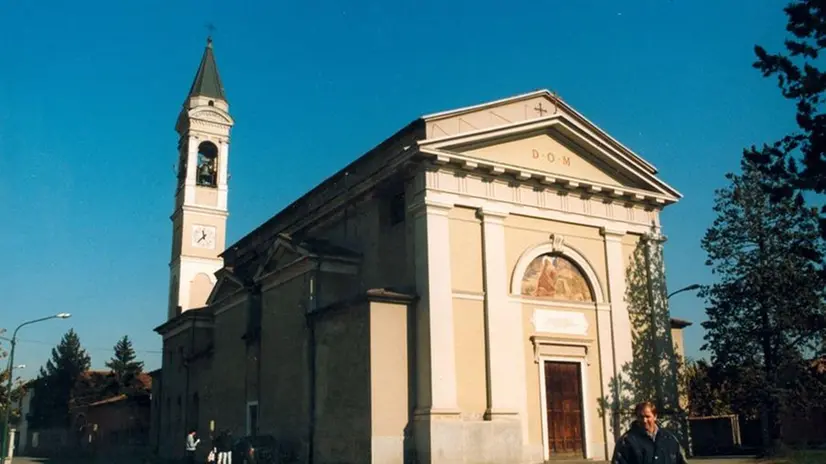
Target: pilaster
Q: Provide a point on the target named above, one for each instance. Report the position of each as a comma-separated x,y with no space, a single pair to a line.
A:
615,335
502,324
223,173
191,168
436,346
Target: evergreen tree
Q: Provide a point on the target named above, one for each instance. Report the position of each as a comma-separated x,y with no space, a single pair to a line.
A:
766,314
125,368
798,160
56,382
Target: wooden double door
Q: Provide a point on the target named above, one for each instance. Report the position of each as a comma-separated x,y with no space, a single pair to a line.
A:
563,403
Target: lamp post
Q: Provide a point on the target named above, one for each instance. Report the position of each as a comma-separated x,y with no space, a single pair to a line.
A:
685,289
9,371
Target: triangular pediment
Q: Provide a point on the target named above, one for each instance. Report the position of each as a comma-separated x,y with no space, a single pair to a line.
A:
285,251
211,114
226,286
551,152
281,253
540,133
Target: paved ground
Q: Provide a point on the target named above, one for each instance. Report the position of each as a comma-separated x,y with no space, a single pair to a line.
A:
732,460
120,460
21,460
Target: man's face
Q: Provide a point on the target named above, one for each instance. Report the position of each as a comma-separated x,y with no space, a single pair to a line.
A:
648,420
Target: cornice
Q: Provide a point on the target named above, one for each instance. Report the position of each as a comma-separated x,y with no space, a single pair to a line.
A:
182,258
195,317
520,174
199,209
430,206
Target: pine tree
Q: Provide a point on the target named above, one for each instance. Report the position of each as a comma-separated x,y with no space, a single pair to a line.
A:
798,160
125,369
56,382
766,314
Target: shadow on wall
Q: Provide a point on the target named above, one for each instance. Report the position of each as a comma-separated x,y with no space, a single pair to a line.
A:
652,373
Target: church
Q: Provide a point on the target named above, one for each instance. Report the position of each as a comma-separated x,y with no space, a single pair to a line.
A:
457,294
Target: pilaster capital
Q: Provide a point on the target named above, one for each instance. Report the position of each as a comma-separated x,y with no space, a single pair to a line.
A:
655,237
492,215
612,233
429,206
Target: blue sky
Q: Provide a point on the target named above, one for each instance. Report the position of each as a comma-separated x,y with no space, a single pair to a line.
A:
89,94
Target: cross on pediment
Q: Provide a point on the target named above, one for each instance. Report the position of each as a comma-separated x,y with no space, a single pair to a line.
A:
540,110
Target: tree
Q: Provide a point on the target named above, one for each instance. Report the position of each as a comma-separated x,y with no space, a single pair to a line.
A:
17,390
798,160
766,314
125,369
711,391
56,382
653,371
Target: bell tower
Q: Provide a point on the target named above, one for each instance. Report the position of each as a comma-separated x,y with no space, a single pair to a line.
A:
200,213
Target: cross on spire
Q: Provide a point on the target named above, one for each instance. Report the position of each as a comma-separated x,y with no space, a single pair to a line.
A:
210,29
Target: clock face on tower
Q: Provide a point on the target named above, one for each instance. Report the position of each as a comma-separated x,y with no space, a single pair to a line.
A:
203,236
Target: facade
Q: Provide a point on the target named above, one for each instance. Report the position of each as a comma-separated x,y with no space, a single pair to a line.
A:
456,294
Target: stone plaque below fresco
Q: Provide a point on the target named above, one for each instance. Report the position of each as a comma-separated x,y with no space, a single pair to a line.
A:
559,322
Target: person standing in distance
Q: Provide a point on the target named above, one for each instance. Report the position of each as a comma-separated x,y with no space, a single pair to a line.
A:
646,442
191,445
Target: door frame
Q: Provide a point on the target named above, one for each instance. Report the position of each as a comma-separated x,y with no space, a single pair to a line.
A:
249,417
543,401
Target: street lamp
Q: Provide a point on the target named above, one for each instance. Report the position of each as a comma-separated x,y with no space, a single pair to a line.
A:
685,289
7,413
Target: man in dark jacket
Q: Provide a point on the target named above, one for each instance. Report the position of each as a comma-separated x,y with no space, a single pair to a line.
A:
646,442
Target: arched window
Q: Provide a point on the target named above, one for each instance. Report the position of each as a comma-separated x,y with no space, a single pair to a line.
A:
207,174
556,277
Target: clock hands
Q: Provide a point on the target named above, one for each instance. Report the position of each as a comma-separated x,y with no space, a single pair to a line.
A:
203,236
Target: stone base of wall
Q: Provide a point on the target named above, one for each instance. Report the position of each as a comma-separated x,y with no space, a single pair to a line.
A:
533,453
454,441
388,450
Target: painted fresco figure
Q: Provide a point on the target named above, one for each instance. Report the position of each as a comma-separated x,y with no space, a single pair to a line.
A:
557,278
646,442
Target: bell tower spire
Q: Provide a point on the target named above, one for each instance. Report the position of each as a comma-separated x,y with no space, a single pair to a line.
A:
207,82
200,212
